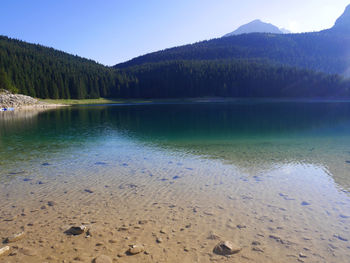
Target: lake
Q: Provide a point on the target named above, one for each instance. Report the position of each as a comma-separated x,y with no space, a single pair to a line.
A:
273,177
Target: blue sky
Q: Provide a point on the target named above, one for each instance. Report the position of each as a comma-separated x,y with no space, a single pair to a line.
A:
113,31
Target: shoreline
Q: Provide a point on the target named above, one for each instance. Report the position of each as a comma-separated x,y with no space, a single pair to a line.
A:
141,101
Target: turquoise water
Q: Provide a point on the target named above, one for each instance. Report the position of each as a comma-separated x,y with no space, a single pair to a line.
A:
244,134
291,158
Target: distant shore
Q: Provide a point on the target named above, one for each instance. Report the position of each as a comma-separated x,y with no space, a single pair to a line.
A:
103,101
18,101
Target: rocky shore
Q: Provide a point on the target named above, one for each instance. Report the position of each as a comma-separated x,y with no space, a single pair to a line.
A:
18,101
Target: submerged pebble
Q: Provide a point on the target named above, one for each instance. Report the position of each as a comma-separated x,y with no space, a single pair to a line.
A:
76,230
15,237
226,248
135,249
341,238
100,163
5,251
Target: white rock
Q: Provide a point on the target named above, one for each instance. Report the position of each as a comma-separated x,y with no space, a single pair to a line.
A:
4,251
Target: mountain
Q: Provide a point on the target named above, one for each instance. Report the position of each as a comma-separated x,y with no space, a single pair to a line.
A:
256,26
326,51
342,25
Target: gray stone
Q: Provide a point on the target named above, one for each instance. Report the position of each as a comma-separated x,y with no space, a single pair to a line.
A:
226,248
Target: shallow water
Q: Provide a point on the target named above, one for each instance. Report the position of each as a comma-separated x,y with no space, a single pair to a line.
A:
276,174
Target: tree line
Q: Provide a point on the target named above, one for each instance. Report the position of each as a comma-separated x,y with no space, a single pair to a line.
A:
47,73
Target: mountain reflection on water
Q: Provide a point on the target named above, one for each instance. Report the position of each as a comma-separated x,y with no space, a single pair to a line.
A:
253,136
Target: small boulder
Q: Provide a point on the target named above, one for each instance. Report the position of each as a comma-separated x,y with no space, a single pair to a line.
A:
226,248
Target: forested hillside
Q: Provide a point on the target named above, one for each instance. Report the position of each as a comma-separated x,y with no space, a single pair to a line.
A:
47,73
234,78
322,51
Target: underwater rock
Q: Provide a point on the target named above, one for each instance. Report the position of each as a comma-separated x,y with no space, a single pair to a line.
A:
135,249
226,248
5,251
76,230
14,237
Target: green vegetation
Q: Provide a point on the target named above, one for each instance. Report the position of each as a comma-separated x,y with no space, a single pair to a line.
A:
47,73
235,78
5,82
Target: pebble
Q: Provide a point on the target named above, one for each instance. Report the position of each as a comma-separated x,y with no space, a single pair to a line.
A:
5,251
103,259
302,255
159,240
88,191
256,243
51,203
14,237
304,203
76,230
135,249
258,249
226,248
341,238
